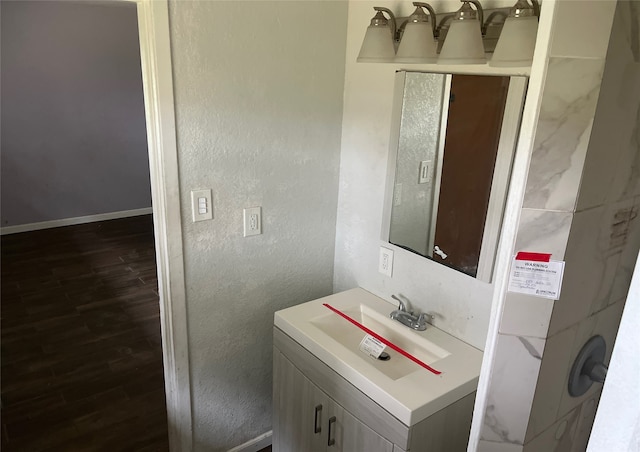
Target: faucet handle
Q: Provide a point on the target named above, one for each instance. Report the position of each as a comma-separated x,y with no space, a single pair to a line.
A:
403,305
422,318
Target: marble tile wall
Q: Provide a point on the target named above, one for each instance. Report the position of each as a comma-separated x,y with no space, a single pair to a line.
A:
546,223
569,433
491,446
569,102
587,287
515,371
581,200
553,370
582,28
538,230
605,178
602,245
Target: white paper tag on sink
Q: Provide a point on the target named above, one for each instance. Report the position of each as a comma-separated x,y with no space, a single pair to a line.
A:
372,346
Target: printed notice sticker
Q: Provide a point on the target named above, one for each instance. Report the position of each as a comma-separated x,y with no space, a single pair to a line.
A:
535,274
372,346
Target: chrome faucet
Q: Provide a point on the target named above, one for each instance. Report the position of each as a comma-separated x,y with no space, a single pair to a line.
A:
405,315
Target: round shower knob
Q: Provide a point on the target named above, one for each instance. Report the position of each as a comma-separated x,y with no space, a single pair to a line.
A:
588,366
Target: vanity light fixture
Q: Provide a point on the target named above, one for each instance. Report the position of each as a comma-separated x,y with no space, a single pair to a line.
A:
518,38
442,29
379,40
463,43
418,43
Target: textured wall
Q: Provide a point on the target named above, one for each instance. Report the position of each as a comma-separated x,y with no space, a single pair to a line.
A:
419,137
73,131
258,92
583,193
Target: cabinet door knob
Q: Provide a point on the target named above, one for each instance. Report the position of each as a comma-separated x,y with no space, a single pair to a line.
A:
331,441
317,420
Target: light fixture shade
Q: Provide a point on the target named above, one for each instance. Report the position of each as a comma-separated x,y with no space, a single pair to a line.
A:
377,46
516,43
463,44
417,44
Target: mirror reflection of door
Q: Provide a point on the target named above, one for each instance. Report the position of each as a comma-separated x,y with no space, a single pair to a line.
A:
476,106
453,143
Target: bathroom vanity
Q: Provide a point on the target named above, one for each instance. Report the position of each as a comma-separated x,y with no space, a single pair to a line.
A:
329,395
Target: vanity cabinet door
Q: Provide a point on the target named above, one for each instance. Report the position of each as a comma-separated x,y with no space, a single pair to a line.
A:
300,410
351,435
305,419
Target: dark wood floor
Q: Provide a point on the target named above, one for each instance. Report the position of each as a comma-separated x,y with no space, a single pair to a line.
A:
81,359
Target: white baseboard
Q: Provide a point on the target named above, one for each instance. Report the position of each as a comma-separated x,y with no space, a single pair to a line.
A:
76,220
255,444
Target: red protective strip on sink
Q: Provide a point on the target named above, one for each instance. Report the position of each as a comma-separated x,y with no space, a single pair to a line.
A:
382,339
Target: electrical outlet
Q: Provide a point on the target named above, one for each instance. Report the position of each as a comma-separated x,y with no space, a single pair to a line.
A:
252,221
201,205
385,265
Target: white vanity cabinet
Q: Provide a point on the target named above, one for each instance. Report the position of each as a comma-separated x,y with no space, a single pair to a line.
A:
315,409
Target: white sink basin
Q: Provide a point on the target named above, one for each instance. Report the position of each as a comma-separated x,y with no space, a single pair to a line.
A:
404,388
350,337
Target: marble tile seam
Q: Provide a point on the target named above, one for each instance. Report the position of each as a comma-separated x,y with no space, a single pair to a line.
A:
568,327
525,337
605,202
580,320
554,426
575,57
548,210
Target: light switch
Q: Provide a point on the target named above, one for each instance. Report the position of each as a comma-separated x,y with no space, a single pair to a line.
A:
201,205
425,172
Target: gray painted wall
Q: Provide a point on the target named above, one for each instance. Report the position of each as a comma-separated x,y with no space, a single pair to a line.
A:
73,131
258,95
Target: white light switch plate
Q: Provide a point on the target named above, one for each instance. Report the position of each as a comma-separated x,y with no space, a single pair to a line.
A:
201,205
385,265
425,172
252,221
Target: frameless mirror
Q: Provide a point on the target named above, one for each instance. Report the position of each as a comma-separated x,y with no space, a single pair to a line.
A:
453,142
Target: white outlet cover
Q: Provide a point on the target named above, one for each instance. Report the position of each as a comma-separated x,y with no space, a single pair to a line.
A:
385,264
252,219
